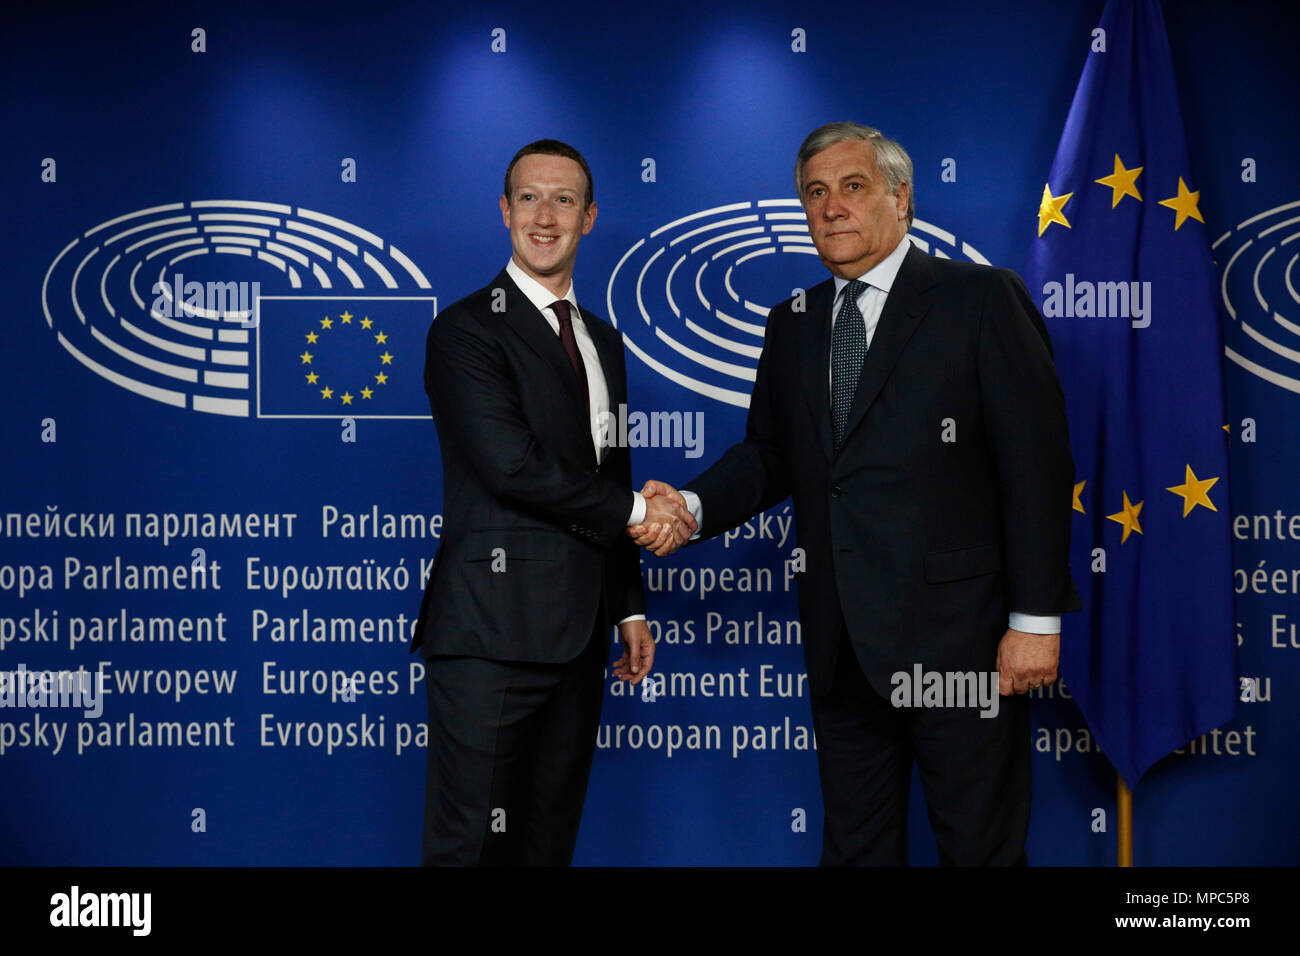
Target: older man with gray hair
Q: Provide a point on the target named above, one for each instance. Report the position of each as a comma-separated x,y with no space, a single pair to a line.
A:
910,405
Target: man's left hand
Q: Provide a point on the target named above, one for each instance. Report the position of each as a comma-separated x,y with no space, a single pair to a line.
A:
1026,661
638,652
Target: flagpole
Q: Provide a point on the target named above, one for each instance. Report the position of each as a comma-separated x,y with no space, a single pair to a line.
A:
1125,825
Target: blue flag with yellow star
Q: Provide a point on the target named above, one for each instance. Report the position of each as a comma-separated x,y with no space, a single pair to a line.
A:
1122,268
342,356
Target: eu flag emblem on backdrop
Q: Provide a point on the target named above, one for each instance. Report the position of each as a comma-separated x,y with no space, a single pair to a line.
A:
1122,260
337,356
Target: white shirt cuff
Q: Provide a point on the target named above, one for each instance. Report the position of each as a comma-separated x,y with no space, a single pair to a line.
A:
632,617
696,509
1034,624
638,509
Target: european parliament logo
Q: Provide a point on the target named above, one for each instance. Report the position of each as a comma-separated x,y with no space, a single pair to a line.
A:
167,303
689,297
1259,280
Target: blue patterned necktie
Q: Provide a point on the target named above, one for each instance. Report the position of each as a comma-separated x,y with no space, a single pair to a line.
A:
848,349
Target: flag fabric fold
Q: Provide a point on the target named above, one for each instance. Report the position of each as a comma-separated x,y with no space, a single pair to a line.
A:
1122,271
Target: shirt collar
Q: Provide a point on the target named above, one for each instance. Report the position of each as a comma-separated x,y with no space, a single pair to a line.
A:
882,274
535,292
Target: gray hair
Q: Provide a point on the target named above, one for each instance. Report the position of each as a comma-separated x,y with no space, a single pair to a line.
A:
892,161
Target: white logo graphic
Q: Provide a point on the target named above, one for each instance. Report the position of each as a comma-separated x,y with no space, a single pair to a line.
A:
112,295
1258,284
681,282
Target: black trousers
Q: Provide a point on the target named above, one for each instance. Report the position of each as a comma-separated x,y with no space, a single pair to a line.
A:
974,772
510,750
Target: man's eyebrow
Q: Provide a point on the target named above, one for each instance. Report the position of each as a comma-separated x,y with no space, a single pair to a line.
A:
858,174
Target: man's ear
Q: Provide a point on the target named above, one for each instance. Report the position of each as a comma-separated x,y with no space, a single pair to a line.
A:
505,210
902,199
589,218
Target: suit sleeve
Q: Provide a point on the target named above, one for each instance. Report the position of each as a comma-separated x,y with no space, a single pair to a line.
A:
755,473
476,404
1025,420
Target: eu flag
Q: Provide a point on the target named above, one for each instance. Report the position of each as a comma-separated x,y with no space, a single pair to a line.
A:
1122,261
342,356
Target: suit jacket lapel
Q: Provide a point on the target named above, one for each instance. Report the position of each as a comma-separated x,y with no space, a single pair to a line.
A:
606,348
530,325
905,307
615,383
815,360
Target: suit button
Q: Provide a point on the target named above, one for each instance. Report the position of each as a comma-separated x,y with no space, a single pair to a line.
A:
836,491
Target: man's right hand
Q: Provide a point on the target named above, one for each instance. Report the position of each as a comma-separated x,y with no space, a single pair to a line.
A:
668,523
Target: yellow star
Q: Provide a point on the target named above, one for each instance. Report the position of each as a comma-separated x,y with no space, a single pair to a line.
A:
1078,505
306,358
381,338
347,318
327,392
367,392
326,322
367,322
311,337
386,358
1049,210
347,398
1184,204
1128,517
311,378
1122,181
1194,492
381,378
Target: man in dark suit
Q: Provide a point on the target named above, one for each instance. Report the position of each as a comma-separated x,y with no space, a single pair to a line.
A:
534,566
911,407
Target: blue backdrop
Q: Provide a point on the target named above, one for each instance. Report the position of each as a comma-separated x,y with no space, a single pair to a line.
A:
349,161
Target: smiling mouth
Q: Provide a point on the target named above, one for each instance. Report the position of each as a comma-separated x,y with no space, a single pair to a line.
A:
544,240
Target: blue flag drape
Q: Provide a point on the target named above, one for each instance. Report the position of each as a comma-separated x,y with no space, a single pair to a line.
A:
1121,267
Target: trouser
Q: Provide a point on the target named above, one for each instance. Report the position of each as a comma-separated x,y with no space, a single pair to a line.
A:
974,771
510,750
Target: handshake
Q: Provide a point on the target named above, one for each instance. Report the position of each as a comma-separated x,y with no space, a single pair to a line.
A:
668,523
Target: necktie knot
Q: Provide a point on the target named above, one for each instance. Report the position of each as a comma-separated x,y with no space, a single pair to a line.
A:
853,290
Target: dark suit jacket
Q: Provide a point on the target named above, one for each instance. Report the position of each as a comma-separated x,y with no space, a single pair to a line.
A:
923,545
521,483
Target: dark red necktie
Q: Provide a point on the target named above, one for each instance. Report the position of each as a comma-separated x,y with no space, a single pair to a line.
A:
561,308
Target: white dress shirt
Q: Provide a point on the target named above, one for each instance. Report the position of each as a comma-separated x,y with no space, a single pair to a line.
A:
871,302
544,299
